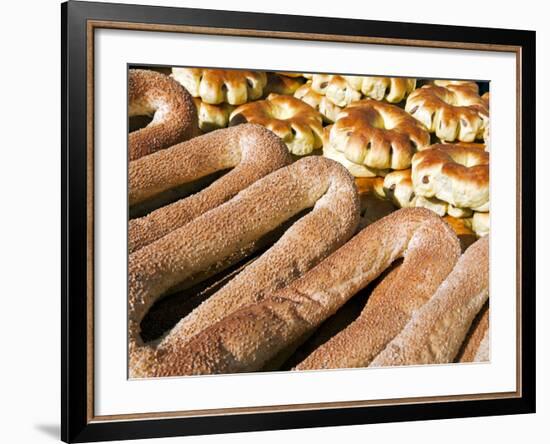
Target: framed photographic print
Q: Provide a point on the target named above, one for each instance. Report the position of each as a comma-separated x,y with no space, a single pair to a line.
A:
276,221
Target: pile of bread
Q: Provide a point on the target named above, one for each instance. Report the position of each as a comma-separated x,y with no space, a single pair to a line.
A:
264,205
417,143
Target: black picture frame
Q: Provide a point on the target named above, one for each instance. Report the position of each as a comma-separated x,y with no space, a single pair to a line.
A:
77,425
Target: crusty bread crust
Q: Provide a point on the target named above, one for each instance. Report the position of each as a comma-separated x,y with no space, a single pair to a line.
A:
436,331
251,150
248,338
218,235
175,116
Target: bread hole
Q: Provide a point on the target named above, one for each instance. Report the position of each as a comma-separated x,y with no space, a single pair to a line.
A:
413,109
345,315
392,187
173,195
412,197
177,303
323,85
426,179
138,122
250,83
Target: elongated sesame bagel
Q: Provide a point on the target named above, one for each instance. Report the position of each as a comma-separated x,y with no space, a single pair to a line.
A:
452,112
212,117
436,331
483,353
377,135
456,174
215,86
475,336
248,338
174,115
298,124
219,234
318,101
250,150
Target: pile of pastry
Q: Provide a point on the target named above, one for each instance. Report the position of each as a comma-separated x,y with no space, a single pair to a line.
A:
308,233
415,143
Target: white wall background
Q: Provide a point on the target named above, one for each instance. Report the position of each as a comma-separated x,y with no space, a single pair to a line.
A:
30,221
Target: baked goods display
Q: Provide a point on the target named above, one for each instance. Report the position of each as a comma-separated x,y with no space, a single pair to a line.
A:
221,236
174,117
305,221
343,90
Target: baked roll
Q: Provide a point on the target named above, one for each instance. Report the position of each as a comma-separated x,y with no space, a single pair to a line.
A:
455,174
281,84
454,112
390,89
212,117
318,101
298,124
336,88
215,86
371,137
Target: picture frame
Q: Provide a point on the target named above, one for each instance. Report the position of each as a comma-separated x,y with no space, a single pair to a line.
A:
80,22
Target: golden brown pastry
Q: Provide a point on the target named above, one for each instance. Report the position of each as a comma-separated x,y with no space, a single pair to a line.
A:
374,137
398,187
336,88
318,101
481,223
391,89
455,174
215,86
212,117
294,121
281,84
454,112
219,237
174,115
